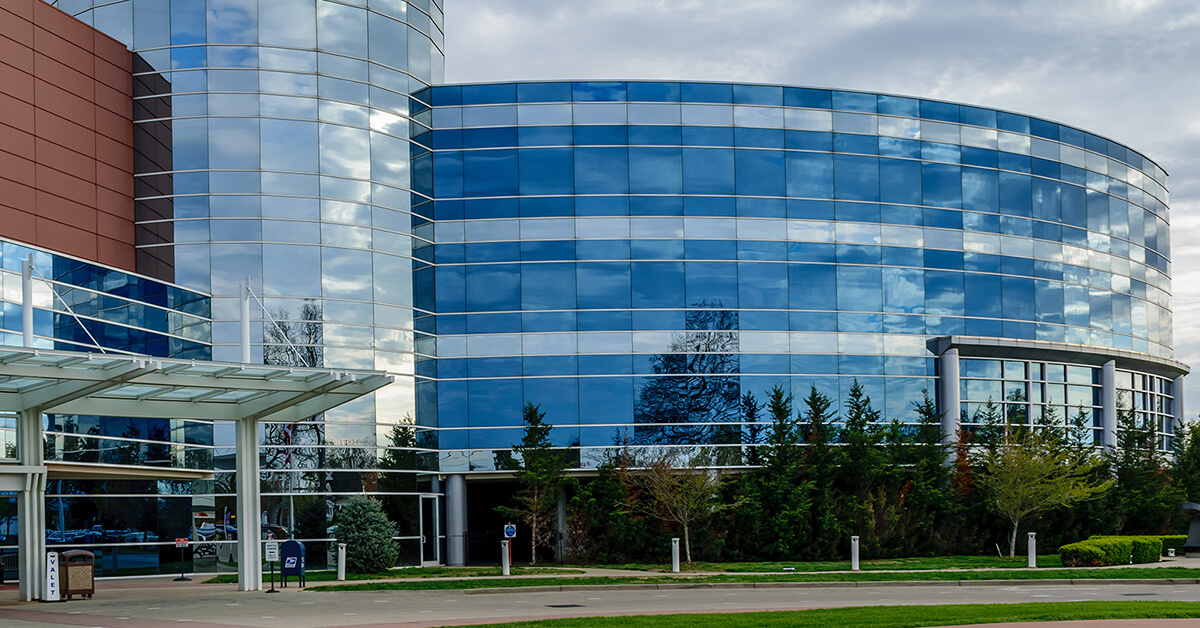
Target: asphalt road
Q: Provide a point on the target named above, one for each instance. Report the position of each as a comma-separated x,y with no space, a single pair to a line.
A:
158,603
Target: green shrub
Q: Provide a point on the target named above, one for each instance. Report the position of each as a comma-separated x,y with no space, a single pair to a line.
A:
1081,554
1098,552
367,533
1147,549
1176,541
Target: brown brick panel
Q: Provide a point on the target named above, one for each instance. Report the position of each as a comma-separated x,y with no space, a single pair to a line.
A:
66,135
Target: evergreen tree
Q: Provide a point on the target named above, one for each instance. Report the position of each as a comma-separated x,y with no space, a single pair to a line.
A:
541,471
818,466
1146,500
754,430
367,533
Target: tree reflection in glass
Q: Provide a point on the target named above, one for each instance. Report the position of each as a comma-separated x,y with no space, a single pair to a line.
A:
695,385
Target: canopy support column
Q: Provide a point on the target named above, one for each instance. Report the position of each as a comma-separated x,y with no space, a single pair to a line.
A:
249,507
31,508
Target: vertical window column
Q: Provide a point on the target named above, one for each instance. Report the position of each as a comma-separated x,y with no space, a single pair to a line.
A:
1177,406
948,376
1108,404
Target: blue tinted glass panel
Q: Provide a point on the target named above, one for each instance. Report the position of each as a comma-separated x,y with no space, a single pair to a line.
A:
655,171
708,171
490,173
601,171
856,178
546,171
760,172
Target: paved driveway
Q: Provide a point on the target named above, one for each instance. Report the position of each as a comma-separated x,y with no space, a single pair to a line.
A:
138,604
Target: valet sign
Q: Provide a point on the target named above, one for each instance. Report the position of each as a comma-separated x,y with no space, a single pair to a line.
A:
53,594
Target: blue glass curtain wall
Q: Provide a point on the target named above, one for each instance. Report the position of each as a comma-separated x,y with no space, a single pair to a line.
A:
580,235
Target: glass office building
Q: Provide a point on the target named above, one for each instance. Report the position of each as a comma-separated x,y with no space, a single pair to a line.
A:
636,257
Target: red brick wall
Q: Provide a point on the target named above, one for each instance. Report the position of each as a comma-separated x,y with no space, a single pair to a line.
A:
66,135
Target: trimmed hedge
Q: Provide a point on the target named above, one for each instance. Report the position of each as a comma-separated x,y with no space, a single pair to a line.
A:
1097,552
1147,549
1100,551
1174,541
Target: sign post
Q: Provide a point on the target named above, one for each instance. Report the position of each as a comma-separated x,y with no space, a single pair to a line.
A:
53,593
182,544
510,532
272,557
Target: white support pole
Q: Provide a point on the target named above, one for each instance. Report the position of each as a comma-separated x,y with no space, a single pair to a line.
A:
31,508
245,321
950,402
505,565
249,508
1177,407
1033,550
854,553
675,555
341,561
27,301
1108,405
456,520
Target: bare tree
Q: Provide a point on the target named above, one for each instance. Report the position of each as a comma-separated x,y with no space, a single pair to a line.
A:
683,492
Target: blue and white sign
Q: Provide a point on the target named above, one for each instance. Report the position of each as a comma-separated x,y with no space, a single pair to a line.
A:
53,593
510,531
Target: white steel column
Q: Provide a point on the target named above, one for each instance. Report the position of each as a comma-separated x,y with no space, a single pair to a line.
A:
1177,404
1108,404
245,321
948,385
31,508
249,507
456,520
27,301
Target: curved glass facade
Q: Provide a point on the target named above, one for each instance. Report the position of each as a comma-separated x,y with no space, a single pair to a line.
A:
636,257
272,143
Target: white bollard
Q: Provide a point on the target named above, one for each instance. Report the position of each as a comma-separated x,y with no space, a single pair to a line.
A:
1033,550
674,555
505,567
341,561
854,553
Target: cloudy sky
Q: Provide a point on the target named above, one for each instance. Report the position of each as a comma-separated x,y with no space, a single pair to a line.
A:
1124,69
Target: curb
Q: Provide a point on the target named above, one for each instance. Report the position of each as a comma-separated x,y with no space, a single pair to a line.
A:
823,585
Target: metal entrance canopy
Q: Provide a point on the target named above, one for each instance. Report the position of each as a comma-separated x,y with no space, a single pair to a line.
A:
37,381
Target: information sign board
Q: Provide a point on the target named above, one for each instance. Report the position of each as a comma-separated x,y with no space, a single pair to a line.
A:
272,551
181,543
510,531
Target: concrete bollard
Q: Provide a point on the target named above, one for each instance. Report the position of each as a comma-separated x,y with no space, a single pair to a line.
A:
1033,550
341,561
505,567
674,555
854,553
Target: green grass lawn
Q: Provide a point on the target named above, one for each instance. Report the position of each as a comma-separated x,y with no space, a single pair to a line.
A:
934,562
890,616
861,576
411,572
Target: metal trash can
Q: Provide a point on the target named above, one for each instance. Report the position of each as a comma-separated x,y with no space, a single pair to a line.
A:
78,569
